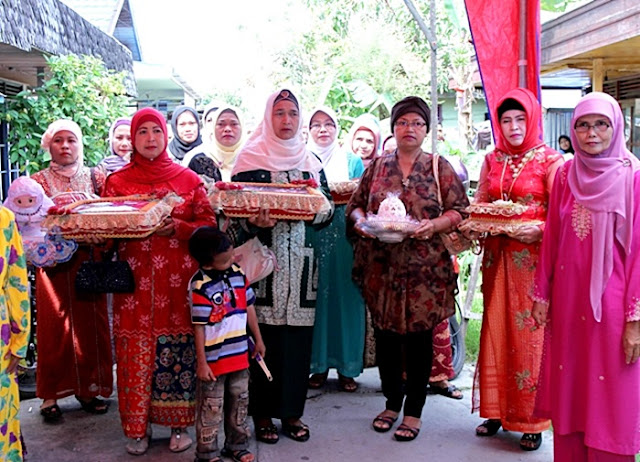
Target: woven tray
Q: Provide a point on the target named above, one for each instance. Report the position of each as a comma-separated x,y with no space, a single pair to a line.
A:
285,201
133,216
341,191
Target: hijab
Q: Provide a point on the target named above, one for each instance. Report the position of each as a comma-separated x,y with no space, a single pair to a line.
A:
531,107
367,122
159,170
113,161
179,147
68,171
604,185
334,160
265,151
224,157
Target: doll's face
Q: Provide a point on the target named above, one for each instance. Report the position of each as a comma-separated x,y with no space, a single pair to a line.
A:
25,201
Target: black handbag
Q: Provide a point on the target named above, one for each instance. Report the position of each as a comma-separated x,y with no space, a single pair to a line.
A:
106,276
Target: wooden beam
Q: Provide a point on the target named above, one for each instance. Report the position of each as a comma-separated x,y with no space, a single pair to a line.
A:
597,74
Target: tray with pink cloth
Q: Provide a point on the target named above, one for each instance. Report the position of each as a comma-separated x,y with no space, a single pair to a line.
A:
134,216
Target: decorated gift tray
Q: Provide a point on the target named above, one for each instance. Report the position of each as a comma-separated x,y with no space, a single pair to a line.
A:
341,191
285,201
133,216
498,217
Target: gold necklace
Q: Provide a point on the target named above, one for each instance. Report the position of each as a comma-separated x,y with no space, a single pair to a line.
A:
516,170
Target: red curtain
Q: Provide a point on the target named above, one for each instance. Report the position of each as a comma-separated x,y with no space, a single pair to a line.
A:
495,28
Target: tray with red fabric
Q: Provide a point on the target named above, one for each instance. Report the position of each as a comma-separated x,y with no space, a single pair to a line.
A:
341,191
134,216
498,217
285,201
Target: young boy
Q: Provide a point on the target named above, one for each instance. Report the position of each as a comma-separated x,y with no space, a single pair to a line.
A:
221,307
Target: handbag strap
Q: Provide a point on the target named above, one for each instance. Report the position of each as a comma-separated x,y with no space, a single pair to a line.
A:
436,174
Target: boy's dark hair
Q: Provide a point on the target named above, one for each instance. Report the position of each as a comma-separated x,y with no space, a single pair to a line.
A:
206,242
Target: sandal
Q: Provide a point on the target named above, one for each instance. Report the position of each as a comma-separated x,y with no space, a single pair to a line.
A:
450,391
488,428
180,440
267,434
51,414
406,428
386,422
236,456
138,446
293,431
530,441
318,380
347,384
94,405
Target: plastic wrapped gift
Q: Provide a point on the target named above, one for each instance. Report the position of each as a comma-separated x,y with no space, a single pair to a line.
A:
499,217
285,201
133,216
341,191
391,224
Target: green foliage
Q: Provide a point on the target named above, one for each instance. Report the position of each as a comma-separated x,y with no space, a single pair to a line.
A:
557,5
80,88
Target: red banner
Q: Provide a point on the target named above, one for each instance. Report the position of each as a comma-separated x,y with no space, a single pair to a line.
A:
495,28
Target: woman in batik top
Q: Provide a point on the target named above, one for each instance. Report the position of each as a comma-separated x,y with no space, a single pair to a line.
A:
408,286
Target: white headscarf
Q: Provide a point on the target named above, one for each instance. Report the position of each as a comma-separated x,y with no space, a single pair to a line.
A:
334,159
224,157
265,151
60,125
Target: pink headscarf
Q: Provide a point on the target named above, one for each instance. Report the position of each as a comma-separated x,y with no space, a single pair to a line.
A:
60,125
265,151
604,185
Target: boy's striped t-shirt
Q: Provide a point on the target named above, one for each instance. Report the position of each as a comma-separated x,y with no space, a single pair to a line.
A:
219,301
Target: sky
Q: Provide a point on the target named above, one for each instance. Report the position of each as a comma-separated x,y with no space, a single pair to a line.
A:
217,43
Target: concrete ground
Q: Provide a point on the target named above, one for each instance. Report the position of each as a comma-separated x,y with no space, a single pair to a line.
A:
340,431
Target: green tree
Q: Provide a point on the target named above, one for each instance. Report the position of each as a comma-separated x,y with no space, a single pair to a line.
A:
80,88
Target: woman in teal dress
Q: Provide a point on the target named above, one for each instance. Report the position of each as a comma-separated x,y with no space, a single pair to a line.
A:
338,334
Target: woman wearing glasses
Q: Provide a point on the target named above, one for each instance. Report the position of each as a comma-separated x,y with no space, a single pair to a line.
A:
409,286
338,331
588,290
521,169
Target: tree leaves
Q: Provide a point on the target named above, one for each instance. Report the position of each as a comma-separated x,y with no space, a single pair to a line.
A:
80,88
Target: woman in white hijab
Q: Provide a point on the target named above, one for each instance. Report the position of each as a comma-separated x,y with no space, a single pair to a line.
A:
285,300
338,336
214,159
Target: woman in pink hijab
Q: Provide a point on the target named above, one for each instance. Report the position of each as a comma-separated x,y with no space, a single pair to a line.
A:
587,292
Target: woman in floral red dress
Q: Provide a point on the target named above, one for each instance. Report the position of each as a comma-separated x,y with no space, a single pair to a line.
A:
521,169
410,286
152,327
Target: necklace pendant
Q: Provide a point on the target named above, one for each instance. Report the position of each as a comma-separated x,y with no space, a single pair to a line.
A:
405,182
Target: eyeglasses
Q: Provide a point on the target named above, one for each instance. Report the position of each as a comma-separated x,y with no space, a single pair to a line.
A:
599,126
328,125
413,124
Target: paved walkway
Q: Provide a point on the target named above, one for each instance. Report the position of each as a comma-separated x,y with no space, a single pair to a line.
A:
340,431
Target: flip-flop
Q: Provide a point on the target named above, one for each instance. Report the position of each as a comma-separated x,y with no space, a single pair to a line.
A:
347,384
